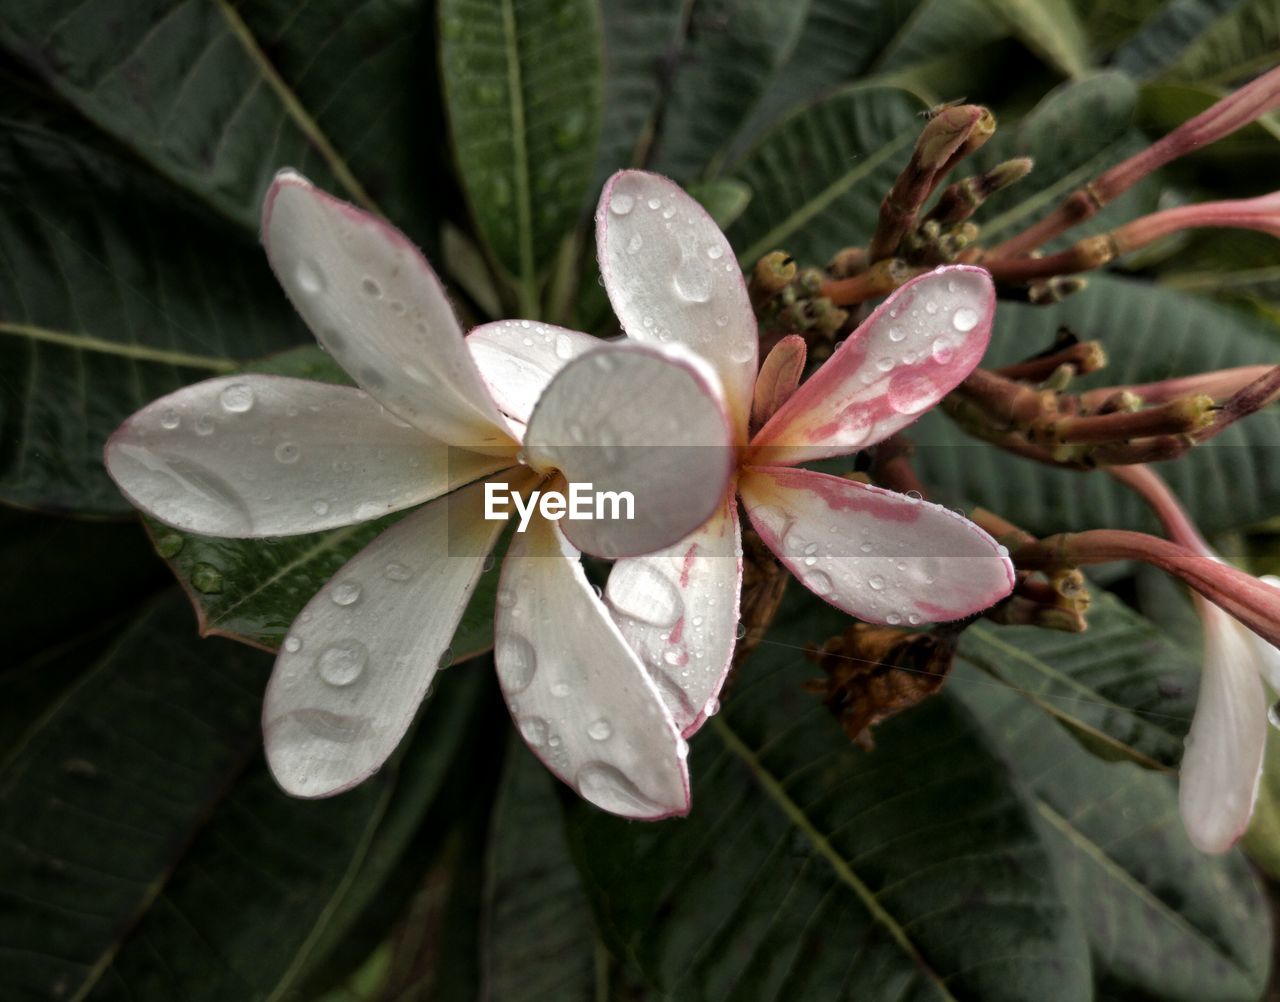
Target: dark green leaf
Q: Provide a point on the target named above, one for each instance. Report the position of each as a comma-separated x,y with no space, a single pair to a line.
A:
186,85
1149,334
1049,28
818,178
1121,688
727,53
726,200
1234,48
140,822
538,941
1163,920
114,290
522,87
811,869
1160,41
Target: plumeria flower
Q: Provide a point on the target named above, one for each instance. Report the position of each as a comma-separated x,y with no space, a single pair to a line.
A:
1222,763
259,456
881,556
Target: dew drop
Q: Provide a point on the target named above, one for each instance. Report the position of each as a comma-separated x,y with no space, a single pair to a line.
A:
309,277
635,243
237,398
600,730
534,730
866,547
896,334
741,630
370,287
876,583
170,420
682,749
204,425
943,351
320,507
446,658
715,252
654,203
621,204
396,571
560,689
206,579
1273,714
287,452
964,319
910,392
346,593
884,363
564,347
516,661
693,280
818,582
342,663
931,307
292,644
712,707
893,618
743,350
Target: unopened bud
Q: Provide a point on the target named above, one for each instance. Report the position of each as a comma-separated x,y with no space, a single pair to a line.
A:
847,262
946,132
774,272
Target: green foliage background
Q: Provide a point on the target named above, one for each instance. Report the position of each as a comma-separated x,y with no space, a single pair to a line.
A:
1014,838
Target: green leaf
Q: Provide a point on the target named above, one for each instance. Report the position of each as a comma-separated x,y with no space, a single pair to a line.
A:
1160,40
252,589
1166,105
639,39
1240,45
1149,334
937,30
187,86
139,821
818,178
114,290
522,88
1073,134
537,937
722,62
811,869
1163,920
1121,688
1050,28
725,200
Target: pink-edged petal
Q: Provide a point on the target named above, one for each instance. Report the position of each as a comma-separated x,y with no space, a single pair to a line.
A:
518,358
672,276
252,455
1222,764
880,556
779,376
373,302
913,350
362,653
678,610
581,699
640,419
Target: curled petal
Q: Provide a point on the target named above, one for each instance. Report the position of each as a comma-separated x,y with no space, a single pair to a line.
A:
642,420
581,699
374,303
678,610
672,276
880,556
518,358
252,455
360,656
1223,759
779,376
910,353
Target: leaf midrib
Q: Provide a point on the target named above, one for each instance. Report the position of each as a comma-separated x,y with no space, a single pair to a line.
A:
520,152
774,790
132,350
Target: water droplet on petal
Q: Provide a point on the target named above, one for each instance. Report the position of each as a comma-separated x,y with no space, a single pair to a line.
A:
320,507
534,730
170,420
370,287
910,392
346,593
818,582
309,277
237,398
564,347
396,571
600,730
516,661
292,644
943,351
288,452
342,663
741,630
876,583
964,319
896,334
715,252
621,204
635,243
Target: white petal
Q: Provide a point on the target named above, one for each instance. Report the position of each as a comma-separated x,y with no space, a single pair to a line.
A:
360,657
582,701
880,556
373,302
913,350
1268,656
678,610
1223,759
518,358
672,276
640,419
258,455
